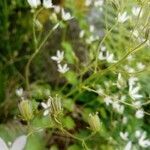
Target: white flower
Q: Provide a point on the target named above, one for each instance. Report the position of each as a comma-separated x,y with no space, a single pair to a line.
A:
143,142
57,9
100,91
18,144
138,133
133,92
92,28
63,69
81,34
128,146
110,57
66,15
124,120
98,3
101,56
108,100
136,11
59,56
129,69
47,3
105,55
140,66
139,114
124,136
34,3
122,17
132,81
19,92
88,2
46,106
136,33
119,108
90,39
137,104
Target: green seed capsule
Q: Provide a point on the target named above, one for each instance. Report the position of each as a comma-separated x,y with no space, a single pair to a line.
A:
25,109
94,122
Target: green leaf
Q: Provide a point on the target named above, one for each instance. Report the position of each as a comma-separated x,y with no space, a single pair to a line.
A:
71,77
35,142
74,147
69,122
69,54
69,104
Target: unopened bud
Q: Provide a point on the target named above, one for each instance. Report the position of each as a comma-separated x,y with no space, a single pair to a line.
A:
94,122
25,109
53,18
121,83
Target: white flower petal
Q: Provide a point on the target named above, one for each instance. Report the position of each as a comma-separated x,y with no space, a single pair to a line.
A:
46,112
128,146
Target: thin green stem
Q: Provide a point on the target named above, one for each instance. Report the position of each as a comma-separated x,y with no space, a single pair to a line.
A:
27,68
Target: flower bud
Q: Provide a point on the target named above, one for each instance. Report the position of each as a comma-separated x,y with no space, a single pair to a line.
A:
121,83
25,109
94,122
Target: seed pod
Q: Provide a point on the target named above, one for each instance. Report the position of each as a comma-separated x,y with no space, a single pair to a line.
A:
94,122
25,109
56,107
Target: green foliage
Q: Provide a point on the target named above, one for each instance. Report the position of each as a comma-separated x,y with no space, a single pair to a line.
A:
94,93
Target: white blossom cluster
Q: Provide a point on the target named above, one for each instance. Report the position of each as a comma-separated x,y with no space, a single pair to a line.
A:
106,55
62,68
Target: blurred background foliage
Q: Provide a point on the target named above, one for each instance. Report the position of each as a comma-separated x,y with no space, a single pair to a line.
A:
17,46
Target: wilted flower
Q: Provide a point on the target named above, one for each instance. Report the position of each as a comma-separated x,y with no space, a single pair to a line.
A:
124,136
128,146
34,3
143,142
59,56
25,109
139,114
94,122
66,15
19,92
18,144
122,17
63,68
